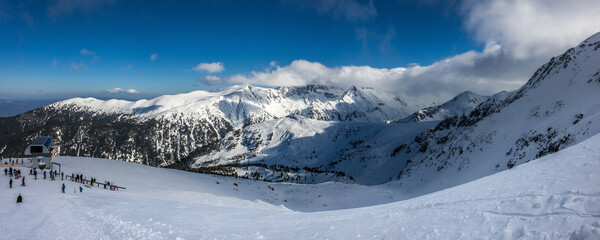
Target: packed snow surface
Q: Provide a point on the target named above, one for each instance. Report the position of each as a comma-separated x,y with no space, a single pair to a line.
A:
556,196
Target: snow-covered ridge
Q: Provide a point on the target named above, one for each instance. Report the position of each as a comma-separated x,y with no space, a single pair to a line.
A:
243,104
556,108
459,105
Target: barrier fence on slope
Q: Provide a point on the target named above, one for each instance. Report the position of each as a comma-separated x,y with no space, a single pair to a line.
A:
89,182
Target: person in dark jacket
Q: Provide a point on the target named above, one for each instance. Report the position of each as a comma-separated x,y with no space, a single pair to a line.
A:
44,174
10,183
80,189
5,172
35,174
19,199
63,188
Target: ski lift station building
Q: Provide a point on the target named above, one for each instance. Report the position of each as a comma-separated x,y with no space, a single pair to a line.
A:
41,151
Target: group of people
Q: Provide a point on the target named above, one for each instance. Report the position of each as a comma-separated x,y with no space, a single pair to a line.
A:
10,172
74,177
10,160
14,172
81,179
77,178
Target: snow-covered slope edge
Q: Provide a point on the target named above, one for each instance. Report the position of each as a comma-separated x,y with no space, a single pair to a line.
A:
554,197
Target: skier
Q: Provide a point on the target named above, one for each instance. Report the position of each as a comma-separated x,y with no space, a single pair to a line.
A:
80,189
19,199
63,188
23,184
5,172
10,183
44,174
30,171
35,174
62,176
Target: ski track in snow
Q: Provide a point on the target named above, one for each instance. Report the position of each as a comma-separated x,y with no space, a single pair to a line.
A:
554,197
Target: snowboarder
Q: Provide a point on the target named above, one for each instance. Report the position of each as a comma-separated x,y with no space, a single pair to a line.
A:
63,188
23,183
10,183
19,199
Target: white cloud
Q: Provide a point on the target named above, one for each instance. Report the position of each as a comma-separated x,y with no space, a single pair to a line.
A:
210,80
86,52
54,62
273,64
210,67
420,84
126,68
78,67
533,28
119,90
153,57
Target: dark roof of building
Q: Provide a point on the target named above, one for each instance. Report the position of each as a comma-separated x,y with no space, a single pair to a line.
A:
42,141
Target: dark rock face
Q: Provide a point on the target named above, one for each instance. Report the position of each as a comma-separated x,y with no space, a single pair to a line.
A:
153,142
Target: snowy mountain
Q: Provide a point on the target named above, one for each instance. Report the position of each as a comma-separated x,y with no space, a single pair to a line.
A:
316,134
244,105
459,105
172,129
554,197
556,108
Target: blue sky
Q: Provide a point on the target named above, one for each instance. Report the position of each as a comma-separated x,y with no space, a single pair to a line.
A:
65,48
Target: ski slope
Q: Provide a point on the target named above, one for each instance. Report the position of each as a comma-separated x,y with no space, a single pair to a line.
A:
556,196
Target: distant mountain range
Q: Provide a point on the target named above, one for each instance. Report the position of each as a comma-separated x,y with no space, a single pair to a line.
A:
314,134
9,108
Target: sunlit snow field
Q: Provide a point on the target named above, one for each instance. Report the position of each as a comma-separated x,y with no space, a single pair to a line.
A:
557,196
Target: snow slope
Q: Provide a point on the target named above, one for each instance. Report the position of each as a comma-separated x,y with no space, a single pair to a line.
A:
554,197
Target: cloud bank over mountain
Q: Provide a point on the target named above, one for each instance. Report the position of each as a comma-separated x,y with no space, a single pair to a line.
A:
511,53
